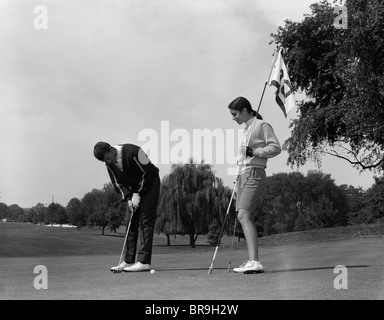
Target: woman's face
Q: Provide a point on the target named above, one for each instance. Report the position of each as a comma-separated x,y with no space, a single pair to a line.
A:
239,116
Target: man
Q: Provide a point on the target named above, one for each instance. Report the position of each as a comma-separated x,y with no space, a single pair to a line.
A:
137,180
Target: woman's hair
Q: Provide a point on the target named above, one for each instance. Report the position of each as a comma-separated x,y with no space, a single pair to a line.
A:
100,149
240,103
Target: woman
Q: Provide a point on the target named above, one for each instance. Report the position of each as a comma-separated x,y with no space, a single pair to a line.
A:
258,144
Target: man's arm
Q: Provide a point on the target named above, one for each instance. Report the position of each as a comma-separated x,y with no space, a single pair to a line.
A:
146,168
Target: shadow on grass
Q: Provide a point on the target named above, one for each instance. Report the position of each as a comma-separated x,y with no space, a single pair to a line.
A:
113,235
189,269
315,268
122,235
182,245
266,271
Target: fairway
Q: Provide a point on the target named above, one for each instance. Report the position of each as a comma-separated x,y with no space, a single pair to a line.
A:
291,272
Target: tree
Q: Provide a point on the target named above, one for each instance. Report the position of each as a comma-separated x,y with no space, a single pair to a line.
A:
165,222
213,234
294,202
3,211
114,208
103,208
279,207
342,74
355,202
15,213
191,199
39,212
29,215
75,213
374,200
89,204
56,213
324,202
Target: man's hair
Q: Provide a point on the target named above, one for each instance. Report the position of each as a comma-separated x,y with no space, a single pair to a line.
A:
100,149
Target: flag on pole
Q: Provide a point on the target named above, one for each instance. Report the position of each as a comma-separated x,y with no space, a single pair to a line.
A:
280,79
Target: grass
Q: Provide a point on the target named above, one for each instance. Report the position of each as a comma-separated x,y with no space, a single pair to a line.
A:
28,240
326,234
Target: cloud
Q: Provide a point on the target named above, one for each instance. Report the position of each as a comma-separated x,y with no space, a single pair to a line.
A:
107,70
276,12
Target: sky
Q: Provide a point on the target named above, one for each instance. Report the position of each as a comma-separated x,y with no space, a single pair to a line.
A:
156,73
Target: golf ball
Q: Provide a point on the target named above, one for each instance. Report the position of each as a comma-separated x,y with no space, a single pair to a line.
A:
152,271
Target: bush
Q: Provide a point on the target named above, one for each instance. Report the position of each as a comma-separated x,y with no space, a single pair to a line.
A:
213,234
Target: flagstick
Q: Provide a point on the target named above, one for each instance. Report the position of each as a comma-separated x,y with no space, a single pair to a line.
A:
274,57
262,95
269,75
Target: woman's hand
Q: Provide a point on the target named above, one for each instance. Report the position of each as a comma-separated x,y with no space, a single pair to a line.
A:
247,151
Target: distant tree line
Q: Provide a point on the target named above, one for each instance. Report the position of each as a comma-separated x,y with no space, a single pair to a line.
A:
193,202
294,202
98,208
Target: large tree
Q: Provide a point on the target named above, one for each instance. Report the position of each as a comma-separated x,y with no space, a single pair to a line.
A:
341,72
191,199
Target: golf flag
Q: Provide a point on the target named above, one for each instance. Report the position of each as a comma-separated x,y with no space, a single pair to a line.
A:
280,79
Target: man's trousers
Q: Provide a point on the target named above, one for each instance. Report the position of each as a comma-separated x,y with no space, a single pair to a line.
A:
142,226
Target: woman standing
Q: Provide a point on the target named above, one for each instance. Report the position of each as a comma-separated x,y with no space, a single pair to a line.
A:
258,144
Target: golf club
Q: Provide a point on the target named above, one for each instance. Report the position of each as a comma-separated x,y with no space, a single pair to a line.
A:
222,228
131,212
233,241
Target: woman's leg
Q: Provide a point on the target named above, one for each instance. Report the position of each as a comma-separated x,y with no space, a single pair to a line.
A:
250,233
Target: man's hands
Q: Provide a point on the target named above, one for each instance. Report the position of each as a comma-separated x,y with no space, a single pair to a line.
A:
135,199
134,203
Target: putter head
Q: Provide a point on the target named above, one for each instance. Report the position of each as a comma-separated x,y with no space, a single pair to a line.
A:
116,271
209,270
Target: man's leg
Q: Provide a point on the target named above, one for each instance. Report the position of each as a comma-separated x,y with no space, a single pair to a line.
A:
148,206
131,244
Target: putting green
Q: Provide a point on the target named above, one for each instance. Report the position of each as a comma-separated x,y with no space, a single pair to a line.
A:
291,272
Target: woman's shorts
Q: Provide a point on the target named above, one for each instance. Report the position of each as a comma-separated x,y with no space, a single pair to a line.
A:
250,188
